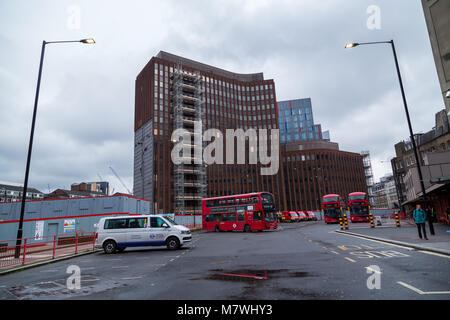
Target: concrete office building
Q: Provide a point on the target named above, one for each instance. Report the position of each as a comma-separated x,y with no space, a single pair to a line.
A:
385,193
437,13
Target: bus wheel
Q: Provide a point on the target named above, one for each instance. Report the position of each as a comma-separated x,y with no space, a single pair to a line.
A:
173,243
217,229
247,228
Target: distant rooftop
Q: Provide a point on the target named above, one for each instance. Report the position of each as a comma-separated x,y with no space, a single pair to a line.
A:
17,188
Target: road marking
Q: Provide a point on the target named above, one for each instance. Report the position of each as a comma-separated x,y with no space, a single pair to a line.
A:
349,259
373,270
385,243
435,254
86,280
131,278
378,254
324,247
335,252
420,291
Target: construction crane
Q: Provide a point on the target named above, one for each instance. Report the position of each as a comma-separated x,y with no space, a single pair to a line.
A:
117,176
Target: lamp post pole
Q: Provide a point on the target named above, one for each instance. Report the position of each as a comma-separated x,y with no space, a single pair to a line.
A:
416,152
30,144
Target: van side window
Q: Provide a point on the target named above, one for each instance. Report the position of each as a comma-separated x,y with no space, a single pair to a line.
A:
137,223
156,222
116,224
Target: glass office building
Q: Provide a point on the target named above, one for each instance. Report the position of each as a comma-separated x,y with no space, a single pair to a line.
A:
296,121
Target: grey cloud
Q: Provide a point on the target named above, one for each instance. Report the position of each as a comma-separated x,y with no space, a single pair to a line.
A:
86,112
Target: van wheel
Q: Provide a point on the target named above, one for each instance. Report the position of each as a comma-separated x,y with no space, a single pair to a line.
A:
247,228
217,229
173,243
110,246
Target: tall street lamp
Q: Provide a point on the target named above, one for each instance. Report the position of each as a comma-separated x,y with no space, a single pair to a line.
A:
30,145
416,154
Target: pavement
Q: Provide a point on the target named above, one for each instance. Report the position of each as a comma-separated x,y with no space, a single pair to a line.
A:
298,261
406,235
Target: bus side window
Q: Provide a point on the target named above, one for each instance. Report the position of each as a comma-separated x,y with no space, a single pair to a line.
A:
207,218
232,217
217,217
241,216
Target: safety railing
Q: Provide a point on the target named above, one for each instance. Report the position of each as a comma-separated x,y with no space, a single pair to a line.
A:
34,249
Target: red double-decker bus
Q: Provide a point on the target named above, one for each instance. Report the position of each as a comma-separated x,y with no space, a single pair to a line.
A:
332,208
243,212
358,205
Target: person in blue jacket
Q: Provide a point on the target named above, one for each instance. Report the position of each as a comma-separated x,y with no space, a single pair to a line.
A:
420,217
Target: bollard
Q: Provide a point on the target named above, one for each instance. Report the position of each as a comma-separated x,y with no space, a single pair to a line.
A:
345,221
372,225
340,222
397,219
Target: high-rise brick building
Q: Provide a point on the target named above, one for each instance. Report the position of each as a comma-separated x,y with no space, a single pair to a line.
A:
172,93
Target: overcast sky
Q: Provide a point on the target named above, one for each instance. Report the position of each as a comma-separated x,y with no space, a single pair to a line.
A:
85,118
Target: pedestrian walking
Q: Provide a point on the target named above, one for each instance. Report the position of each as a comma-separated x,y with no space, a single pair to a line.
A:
430,219
420,218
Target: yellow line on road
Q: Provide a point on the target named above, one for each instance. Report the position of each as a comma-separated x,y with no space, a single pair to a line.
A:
387,243
335,252
349,259
420,291
435,254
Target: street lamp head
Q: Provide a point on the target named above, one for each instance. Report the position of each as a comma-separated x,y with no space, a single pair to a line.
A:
351,45
88,41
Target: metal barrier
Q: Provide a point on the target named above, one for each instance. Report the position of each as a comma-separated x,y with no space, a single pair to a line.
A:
46,247
397,219
372,225
345,221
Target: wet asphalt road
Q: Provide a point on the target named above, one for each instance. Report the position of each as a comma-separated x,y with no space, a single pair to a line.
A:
297,261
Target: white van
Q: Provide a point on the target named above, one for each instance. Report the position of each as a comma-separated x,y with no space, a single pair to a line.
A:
117,233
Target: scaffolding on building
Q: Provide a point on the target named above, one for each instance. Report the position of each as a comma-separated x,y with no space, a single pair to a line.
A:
188,111
369,175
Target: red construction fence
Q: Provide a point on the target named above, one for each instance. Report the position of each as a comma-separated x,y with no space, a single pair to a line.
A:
45,248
